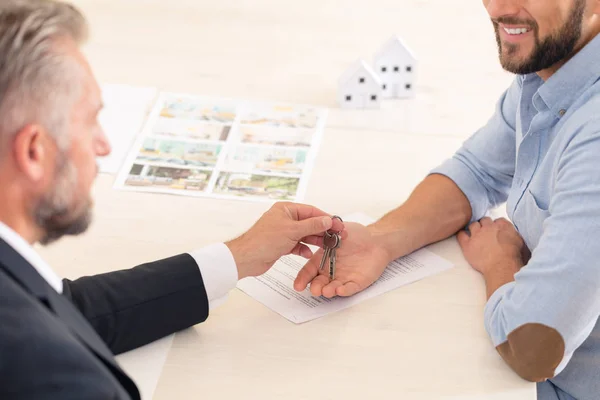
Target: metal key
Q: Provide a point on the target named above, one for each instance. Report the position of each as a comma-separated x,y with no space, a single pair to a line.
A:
326,251
333,251
332,257
329,242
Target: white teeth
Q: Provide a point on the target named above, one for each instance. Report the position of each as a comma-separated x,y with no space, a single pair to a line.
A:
517,31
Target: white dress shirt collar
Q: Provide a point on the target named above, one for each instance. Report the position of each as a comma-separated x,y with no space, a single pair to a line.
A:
26,251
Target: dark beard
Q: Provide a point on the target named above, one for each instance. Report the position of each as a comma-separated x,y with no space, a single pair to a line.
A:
553,49
55,212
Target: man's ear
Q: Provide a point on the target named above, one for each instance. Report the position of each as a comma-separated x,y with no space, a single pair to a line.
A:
33,151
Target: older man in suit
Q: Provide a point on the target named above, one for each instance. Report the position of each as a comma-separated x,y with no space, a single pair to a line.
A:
58,337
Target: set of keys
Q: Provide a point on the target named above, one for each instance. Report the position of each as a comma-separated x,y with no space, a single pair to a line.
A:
331,241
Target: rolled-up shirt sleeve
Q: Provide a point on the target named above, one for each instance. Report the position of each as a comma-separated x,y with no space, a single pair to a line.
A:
483,168
539,320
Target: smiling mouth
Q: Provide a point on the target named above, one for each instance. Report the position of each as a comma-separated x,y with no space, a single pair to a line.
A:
516,31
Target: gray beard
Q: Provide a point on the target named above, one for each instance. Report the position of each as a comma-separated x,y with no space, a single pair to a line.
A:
56,212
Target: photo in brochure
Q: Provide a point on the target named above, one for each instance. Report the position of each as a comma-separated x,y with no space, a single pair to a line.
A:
223,148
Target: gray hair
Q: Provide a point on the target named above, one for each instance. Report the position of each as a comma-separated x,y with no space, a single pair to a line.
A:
38,82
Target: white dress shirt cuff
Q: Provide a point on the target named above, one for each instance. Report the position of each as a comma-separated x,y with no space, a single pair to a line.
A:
218,271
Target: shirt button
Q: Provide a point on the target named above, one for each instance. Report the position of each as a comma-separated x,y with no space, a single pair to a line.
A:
562,112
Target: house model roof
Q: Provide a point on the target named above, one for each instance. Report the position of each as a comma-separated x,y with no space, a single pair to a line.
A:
359,65
397,46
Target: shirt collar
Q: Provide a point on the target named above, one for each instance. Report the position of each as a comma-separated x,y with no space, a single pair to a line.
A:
570,81
28,253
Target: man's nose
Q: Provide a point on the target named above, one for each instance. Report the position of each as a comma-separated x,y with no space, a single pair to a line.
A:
503,8
102,145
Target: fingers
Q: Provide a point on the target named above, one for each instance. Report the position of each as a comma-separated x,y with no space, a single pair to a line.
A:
314,240
503,222
317,240
486,221
338,226
308,272
313,226
317,285
463,238
344,235
301,212
302,250
330,290
348,289
475,227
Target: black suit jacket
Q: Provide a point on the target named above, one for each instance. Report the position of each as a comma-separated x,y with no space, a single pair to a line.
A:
55,346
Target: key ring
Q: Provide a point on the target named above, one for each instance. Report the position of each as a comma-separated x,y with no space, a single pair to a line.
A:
329,231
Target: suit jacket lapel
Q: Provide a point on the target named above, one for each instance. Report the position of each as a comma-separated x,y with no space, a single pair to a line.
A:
28,277
66,311
23,272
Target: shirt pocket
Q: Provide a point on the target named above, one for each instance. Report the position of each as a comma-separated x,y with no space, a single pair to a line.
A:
533,214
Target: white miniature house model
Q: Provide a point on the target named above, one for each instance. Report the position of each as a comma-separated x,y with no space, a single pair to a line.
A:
396,66
360,87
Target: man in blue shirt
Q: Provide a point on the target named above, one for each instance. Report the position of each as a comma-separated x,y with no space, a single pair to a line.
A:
540,153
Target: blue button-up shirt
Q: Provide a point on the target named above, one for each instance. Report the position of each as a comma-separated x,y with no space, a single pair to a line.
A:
540,153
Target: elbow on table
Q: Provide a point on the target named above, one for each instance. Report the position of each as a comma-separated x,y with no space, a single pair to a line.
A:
533,351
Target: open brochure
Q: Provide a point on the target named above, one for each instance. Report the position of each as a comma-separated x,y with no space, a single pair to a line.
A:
211,147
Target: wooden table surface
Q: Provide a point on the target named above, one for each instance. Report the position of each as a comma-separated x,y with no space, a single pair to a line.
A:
423,341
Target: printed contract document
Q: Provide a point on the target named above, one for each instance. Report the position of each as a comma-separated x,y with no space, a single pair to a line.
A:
275,289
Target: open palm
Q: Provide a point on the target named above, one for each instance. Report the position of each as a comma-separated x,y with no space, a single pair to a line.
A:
360,261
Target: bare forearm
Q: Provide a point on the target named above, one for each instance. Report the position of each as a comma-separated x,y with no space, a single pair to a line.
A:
436,210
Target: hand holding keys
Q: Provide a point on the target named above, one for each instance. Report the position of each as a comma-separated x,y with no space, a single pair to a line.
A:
331,241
